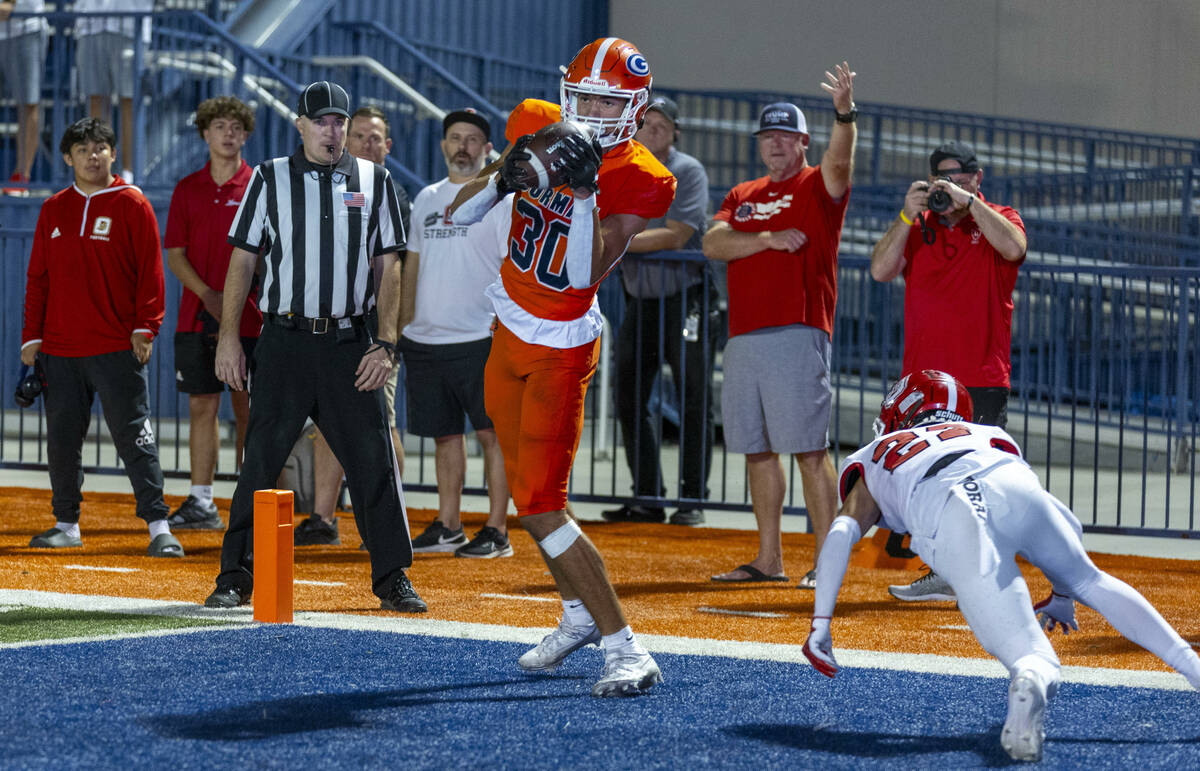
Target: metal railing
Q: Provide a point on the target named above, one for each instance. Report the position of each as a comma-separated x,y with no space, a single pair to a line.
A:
1106,394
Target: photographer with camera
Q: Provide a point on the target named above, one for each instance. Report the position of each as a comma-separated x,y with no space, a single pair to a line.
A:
959,255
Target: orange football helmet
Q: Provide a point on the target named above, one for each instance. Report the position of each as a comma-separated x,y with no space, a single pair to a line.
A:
612,67
923,397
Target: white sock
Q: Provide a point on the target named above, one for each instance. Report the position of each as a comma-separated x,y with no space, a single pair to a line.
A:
576,613
202,493
621,641
1187,663
70,528
158,527
1047,672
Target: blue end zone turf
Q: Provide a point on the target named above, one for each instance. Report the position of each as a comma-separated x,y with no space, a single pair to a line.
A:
302,697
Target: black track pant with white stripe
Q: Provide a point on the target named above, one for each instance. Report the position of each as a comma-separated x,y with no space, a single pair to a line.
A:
296,375
72,383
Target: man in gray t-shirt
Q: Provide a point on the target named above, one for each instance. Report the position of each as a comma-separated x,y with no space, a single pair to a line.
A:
658,286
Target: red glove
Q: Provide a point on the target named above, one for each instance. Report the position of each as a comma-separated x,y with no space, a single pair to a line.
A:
818,648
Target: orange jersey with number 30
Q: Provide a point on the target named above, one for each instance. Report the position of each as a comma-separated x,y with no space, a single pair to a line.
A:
632,181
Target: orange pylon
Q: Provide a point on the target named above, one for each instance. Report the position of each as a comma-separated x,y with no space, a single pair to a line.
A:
872,553
273,556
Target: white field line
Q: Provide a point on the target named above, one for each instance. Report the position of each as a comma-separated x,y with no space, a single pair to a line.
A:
307,582
122,636
524,597
100,568
751,613
791,653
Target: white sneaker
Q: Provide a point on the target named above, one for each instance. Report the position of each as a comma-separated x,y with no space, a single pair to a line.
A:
557,645
627,674
1023,734
928,588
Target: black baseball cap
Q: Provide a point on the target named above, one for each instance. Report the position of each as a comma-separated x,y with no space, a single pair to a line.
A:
324,98
954,151
667,107
782,116
467,115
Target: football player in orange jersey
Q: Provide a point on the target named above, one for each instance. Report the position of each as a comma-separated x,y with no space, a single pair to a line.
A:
563,242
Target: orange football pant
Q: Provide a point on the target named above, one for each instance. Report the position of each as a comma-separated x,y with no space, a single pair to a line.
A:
534,395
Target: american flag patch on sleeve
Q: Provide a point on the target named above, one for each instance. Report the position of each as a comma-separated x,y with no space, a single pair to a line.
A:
354,199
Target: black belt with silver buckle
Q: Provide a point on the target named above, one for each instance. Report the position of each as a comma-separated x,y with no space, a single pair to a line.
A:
317,326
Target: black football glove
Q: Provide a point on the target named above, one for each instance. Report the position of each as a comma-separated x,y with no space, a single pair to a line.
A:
581,161
512,177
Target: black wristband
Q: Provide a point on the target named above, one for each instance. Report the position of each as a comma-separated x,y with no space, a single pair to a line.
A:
846,117
383,345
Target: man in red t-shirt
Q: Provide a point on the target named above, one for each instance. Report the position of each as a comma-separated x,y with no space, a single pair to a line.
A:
202,209
93,306
959,258
779,235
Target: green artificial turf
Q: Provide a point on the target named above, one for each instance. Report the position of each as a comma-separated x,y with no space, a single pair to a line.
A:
20,624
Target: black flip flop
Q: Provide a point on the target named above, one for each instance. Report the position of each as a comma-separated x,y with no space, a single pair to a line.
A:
756,576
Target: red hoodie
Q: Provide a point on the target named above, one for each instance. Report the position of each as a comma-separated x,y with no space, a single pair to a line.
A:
95,273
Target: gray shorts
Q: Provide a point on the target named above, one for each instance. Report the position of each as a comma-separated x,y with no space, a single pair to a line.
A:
776,395
105,64
22,60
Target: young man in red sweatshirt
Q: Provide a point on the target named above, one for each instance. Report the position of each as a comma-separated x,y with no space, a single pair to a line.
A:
93,305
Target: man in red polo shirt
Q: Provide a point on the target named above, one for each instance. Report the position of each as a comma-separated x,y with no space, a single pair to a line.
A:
779,235
202,210
959,257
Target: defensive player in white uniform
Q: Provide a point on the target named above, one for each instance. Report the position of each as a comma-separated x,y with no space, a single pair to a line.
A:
971,504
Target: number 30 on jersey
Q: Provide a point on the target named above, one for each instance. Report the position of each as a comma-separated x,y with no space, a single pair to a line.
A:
541,245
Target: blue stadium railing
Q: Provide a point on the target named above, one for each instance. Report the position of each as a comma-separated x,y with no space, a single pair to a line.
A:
1106,385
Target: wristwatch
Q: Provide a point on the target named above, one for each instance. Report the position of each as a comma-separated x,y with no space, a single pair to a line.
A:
846,117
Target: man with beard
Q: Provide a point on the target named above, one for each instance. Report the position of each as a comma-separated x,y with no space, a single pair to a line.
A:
445,328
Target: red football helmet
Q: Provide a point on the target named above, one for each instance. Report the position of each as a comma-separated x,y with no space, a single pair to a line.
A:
612,67
923,397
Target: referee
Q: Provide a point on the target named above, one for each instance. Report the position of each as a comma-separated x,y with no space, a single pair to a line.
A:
318,218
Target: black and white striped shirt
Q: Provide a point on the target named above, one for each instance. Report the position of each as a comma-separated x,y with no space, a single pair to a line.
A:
318,233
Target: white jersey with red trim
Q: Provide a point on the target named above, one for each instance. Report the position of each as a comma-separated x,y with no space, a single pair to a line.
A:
910,472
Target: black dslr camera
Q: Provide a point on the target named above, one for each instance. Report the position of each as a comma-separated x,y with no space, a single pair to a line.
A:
940,200
31,386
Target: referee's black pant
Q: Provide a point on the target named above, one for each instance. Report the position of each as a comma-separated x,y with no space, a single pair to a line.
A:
296,374
72,384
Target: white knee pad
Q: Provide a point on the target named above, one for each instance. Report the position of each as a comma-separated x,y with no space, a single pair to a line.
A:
561,539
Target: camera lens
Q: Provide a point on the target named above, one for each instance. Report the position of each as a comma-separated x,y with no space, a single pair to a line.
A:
939,201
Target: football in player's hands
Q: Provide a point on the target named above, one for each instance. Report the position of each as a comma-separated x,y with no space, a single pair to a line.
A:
559,154
515,171
581,158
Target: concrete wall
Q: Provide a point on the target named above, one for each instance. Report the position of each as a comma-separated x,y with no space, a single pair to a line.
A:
1106,63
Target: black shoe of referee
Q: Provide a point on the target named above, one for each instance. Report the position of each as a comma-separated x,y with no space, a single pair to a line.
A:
402,597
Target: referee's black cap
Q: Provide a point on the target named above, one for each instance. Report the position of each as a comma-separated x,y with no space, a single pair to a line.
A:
324,98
